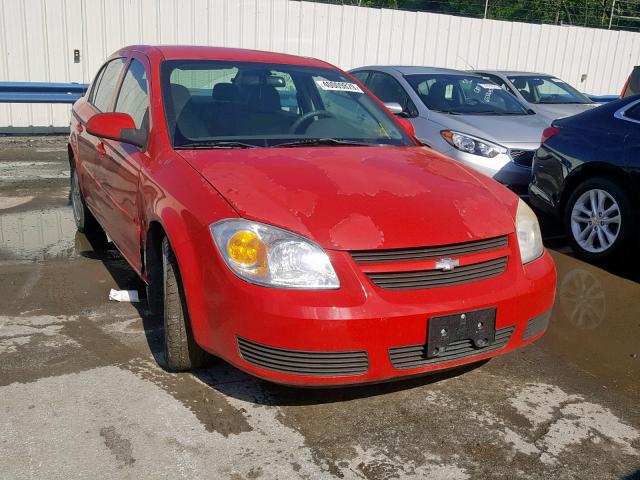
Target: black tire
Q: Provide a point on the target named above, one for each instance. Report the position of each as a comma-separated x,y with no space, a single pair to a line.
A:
625,230
85,221
180,349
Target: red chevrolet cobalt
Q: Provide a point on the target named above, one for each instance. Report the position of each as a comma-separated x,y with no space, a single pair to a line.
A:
285,221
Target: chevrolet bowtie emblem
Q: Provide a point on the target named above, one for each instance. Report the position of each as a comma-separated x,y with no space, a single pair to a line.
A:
447,264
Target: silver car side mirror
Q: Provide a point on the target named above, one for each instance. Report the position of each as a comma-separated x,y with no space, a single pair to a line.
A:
394,107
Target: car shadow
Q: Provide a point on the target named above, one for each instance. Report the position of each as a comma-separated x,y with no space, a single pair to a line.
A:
254,390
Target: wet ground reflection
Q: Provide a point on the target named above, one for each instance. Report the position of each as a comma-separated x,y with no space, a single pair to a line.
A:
596,323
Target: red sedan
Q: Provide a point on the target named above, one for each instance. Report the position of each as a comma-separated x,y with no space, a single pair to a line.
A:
285,221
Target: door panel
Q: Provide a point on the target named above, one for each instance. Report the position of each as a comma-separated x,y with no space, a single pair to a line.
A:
119,169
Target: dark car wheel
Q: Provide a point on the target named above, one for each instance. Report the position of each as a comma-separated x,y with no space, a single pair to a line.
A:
599,219
85,221
180,349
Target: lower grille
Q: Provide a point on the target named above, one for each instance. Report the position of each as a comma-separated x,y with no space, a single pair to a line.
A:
522,157
414,356
439,278
536,325
300,362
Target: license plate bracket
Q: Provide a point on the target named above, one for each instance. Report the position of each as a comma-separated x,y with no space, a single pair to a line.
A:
478,326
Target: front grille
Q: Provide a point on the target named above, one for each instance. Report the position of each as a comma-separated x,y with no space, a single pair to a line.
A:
300,362
438,278
522,157
427,253
414,356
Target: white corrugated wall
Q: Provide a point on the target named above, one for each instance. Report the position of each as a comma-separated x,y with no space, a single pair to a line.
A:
38,37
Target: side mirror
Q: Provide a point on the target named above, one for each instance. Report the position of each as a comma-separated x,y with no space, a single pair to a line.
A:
116,126
407,126
394,107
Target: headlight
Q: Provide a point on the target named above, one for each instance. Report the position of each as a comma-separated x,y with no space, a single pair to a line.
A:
273,257
528,230
469,144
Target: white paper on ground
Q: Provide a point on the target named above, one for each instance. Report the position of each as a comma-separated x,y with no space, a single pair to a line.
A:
124,295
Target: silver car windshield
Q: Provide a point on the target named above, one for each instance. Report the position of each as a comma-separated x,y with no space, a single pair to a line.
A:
464,94
547,90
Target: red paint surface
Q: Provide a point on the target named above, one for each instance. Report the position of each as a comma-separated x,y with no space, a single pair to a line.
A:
342,198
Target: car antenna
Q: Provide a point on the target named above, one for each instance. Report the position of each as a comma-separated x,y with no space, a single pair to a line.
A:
465,61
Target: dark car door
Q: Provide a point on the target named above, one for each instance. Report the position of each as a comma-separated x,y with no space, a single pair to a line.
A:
121,163
631,115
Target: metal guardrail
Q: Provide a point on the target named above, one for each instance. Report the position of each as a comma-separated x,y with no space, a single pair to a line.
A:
41,92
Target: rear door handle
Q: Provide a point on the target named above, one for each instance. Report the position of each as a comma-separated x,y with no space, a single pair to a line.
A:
101,149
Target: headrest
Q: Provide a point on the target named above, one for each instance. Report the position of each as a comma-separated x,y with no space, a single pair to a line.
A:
225,92
264,99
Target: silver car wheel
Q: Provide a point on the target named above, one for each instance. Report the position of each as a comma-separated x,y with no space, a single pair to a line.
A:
76,198
595,221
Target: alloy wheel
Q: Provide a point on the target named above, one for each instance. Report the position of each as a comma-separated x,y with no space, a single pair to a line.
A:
595,220
76,199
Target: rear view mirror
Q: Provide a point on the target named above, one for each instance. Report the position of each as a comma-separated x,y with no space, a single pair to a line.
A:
394,108
116,126
275,81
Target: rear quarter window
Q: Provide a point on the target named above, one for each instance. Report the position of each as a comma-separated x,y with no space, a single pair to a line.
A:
106,87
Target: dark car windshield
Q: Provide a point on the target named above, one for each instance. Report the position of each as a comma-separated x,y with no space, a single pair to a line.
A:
547,90
222,104
464,94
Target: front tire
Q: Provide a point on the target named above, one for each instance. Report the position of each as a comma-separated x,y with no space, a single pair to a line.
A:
599,219
180,349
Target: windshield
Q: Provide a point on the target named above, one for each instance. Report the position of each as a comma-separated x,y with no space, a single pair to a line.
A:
464,94
547,90
221,104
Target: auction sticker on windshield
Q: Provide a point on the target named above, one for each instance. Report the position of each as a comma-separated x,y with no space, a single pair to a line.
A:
339,86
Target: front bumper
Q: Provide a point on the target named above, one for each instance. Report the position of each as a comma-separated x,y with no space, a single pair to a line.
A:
354,334
501,168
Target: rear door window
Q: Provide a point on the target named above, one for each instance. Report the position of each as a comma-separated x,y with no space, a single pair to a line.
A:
107,83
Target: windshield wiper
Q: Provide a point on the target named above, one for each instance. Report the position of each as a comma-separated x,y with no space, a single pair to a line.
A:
322,141
214,144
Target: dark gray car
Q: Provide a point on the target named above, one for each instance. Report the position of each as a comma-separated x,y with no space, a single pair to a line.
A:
464,116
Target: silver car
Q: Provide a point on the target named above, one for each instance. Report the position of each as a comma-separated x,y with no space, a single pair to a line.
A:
464,116
545,94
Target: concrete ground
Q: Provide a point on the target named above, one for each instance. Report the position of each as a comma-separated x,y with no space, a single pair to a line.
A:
81,394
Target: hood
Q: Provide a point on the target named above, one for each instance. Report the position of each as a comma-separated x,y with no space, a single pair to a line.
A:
357,198
502,129
558,110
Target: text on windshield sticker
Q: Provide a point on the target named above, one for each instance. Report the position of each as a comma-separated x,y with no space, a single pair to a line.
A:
339,86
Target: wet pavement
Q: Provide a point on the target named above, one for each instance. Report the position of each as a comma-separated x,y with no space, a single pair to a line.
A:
81,394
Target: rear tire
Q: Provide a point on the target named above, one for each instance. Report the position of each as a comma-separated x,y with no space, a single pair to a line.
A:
180,349
85,221
599,219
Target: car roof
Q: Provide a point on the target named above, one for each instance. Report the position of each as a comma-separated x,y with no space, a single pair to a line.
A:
515,73
195,52
413,70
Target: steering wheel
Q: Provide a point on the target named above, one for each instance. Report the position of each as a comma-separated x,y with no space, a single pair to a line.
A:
308,116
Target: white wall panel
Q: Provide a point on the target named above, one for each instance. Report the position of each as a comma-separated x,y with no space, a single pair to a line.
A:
37,40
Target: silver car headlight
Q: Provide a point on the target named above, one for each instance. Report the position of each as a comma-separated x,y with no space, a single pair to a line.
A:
272,257
528,230
470,144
